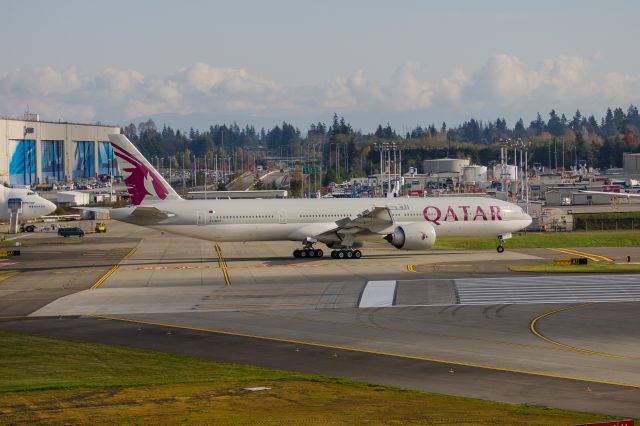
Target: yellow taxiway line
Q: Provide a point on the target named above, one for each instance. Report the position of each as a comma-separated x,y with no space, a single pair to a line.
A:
372,352
105,276
133,250
533,326
223,265
590,256
114,267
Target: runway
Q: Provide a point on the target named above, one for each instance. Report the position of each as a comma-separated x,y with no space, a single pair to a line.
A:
478,321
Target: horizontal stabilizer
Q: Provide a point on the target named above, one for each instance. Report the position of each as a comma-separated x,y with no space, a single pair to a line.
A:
613,194
151,213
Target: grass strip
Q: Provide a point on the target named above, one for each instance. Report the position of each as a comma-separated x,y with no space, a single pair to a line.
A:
546,240
60,381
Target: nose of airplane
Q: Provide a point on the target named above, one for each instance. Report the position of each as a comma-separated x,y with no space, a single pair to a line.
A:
528,218
49,207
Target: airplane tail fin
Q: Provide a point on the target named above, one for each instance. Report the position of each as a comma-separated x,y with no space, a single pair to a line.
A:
143,182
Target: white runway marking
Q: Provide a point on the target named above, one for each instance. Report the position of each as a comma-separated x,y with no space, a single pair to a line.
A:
548,289
378,294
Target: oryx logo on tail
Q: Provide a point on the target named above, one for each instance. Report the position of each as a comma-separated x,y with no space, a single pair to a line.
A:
141,179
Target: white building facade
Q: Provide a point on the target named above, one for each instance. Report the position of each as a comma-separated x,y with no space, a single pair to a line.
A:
34,151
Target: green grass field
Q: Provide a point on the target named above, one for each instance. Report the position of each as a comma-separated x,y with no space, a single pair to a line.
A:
546,239
57,381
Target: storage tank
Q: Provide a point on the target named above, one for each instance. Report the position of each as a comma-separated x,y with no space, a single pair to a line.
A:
510,172
474,174
445,165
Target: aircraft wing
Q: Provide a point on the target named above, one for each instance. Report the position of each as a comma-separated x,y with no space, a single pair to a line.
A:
613,194
93,209
371,221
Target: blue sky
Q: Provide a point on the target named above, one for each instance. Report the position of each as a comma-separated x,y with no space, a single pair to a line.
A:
408,63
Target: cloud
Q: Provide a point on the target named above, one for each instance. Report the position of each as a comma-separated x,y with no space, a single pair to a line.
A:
503,83
41,81
505,80
619,87
404,91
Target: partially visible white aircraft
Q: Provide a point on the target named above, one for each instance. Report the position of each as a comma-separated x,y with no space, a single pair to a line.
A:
342,224
30,203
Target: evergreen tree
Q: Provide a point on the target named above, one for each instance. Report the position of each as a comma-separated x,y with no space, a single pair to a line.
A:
538,125
608,124
576,122
554,126
519,131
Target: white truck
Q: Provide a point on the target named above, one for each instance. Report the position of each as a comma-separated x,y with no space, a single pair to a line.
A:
53,227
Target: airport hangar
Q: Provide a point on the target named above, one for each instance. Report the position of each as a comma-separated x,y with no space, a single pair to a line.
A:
34,151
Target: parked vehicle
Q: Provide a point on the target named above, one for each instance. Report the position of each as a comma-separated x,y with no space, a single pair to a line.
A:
100,227
67,232
35,228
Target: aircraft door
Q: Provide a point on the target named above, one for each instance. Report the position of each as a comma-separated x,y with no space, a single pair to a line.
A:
201,218
282,216
14,205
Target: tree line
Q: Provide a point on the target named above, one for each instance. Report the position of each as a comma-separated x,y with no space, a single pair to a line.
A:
344,152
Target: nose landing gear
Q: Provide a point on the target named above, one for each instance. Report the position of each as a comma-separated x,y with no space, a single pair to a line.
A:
501,239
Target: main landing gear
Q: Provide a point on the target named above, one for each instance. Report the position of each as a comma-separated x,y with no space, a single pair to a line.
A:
307,252
346,254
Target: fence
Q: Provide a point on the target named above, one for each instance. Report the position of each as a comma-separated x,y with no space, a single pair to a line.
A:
581,224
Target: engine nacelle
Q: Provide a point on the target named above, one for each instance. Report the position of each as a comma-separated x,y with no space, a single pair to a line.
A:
413,236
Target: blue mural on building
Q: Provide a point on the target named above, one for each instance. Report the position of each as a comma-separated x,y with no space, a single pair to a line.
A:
83,157
106,160
52,161
22,163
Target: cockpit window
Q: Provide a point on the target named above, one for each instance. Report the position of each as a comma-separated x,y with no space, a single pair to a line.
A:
31,193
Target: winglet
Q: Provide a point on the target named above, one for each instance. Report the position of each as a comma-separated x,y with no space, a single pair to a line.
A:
143,182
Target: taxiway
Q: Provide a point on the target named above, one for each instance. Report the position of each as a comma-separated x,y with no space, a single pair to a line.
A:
453,322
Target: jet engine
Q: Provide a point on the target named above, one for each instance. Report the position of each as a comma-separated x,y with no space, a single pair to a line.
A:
413,236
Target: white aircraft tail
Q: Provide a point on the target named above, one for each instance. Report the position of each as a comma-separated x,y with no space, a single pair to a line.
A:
143,182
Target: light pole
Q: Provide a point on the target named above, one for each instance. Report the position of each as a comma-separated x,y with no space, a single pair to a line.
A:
184,182
562,139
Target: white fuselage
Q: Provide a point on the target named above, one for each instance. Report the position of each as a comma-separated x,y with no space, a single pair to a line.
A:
32,205
297,219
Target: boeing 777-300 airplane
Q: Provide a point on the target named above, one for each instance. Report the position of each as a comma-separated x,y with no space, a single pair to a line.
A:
342,224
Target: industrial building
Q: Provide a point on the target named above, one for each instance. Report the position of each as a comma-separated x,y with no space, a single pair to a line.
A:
631,163
34,151
444,165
